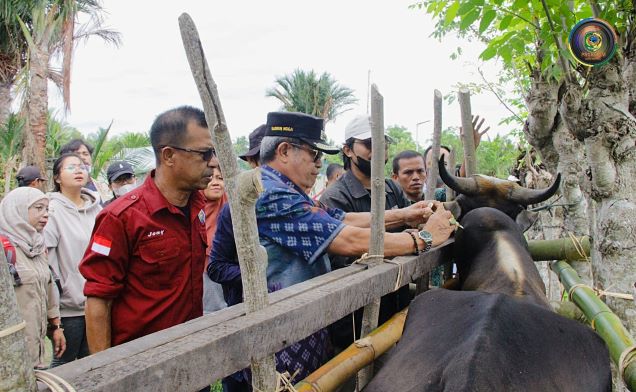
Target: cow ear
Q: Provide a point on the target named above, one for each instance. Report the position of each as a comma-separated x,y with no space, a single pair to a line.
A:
454,208
525,219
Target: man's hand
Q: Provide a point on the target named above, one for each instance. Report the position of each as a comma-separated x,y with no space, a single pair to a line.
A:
418,213
439,225
59,343
477,134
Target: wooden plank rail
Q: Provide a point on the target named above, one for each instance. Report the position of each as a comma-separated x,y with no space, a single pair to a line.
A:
190,356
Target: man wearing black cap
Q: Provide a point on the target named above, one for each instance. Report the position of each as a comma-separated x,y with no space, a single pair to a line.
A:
253,155
297,232
30,176
121,179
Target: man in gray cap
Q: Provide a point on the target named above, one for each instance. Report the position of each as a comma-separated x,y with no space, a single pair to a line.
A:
121,179
253,155
30,176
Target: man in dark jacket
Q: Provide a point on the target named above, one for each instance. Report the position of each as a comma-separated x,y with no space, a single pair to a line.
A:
351,193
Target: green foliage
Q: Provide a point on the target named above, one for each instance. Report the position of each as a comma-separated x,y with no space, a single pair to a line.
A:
241,146
516,31
401,140
306,92
495,157
58,133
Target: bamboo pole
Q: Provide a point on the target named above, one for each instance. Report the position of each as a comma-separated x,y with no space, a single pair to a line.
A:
607,324
16,372
468,139
569,249
450,193
244,190
340,368
378,202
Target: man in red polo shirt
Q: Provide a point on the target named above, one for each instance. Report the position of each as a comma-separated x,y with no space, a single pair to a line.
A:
144,263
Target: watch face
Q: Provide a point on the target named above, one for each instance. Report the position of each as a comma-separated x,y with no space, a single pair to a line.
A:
425,235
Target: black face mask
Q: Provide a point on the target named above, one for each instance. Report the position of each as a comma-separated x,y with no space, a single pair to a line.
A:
364,166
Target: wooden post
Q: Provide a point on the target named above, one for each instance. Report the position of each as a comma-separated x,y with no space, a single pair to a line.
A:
468,139
243,193
378,203
16,372
432,173
450,193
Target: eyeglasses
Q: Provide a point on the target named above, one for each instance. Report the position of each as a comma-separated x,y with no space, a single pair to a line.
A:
205,154
369,145
317,154
74,168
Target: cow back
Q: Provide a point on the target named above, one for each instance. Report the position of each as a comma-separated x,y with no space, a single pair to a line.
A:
476,341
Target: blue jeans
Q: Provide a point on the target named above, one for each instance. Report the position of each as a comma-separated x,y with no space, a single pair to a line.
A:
76,343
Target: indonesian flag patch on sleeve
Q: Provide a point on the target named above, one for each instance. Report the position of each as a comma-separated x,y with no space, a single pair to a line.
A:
101,245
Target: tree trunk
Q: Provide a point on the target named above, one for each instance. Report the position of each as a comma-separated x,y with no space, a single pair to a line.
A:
37,108
602,120
5,102
16,369
561,152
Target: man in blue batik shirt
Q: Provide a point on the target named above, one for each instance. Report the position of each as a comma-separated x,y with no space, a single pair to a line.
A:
298,232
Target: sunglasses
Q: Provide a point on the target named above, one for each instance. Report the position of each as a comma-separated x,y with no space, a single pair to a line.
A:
369,145
317,154
205,154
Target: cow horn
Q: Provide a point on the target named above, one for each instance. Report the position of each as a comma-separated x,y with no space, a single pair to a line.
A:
526,196
466,186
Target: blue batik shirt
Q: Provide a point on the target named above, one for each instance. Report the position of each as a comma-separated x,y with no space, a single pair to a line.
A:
295,232
293,229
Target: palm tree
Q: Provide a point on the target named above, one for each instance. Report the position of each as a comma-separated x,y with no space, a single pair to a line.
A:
10,145
304,92
13,48
51,31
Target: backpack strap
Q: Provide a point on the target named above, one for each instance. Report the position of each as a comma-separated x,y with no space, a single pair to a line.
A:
9,251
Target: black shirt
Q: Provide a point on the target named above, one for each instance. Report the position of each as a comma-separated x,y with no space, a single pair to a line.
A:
350,195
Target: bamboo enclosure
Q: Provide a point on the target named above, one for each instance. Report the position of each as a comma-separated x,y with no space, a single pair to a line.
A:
621,344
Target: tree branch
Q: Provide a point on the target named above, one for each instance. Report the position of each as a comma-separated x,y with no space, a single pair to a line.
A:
492,90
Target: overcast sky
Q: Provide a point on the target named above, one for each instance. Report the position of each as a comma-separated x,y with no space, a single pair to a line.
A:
249,43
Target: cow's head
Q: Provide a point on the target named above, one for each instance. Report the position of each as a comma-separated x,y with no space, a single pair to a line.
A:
506,196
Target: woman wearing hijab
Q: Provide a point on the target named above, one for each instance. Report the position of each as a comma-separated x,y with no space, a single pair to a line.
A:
23,215
72,216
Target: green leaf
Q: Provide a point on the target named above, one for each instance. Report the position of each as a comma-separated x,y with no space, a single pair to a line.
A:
486,20
489,53
466,8
451,12
505,22
469,18
506,53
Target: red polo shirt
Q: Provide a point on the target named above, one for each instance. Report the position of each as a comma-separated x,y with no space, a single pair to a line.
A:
148,258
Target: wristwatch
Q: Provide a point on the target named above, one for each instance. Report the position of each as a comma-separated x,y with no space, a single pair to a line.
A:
427,238
53,327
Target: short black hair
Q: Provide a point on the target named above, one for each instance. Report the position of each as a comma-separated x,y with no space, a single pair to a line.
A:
345,159
429,149
332,169
169,128
406,154
75,145
57,167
